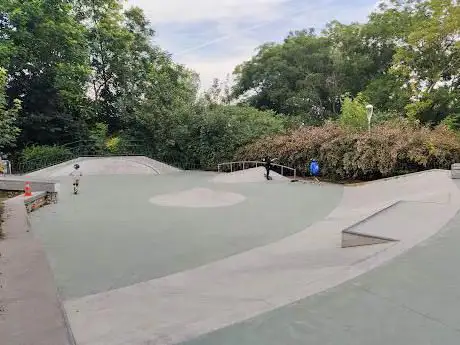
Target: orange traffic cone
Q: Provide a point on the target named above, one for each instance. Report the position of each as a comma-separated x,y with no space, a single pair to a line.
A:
27,189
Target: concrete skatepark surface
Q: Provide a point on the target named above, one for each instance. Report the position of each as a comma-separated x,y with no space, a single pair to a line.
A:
267,270
131,240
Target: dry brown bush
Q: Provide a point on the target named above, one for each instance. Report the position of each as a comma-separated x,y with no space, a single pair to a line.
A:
392,148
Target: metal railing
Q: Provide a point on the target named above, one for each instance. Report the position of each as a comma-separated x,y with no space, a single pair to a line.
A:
243,165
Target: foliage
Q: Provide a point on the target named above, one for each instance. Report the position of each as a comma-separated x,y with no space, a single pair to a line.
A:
293,78
46,59
354,114
452,121
39,155
405,60
202,136
8,129
393,148
99,135
89,70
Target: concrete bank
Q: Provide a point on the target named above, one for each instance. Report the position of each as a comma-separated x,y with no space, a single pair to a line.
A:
30,310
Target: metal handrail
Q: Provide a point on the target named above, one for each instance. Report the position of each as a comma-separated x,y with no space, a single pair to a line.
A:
257,163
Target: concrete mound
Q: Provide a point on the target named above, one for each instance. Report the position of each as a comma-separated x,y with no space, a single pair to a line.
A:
248,176
107,166
197,198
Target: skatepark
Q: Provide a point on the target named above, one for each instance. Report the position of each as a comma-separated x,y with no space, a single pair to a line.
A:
150,254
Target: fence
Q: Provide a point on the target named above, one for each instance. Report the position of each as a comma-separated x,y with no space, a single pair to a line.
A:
243,165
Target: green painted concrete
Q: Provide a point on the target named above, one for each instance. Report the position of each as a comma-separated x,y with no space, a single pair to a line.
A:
110,236
414,299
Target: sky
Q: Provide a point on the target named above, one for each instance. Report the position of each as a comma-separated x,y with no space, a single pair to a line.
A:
213,36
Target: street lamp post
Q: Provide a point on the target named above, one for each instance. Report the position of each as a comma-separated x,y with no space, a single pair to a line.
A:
370,112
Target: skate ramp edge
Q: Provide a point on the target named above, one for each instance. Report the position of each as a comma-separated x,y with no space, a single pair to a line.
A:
115,165
352,238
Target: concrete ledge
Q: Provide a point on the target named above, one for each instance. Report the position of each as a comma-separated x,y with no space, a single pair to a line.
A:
32,313
37,200
455,171
44,192
17,183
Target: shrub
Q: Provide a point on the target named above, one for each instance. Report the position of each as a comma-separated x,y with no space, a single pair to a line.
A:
114,145
392,148
354,114
36,157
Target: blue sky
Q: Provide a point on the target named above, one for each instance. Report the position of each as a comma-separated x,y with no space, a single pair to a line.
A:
213,36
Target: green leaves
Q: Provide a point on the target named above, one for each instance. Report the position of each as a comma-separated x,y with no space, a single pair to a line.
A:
47,68
8,127
354,114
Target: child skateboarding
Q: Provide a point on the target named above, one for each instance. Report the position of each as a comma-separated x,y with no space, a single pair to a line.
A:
76,175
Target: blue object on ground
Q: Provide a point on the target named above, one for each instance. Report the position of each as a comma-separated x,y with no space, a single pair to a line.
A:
314,168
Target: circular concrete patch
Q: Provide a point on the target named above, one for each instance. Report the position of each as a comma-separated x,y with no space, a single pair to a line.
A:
198,197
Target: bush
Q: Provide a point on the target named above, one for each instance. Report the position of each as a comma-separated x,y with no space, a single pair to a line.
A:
392,148
202,137
37,157
354,114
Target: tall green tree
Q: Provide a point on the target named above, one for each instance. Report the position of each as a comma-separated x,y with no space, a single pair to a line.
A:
8,116
292,78
429,59
125,64
43,47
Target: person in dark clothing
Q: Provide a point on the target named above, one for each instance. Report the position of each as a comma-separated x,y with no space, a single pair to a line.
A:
268,166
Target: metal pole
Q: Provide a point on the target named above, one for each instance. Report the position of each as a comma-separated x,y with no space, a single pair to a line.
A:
282,170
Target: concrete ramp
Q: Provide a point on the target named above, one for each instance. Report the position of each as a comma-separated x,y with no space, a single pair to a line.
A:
353,239
107,166
398,209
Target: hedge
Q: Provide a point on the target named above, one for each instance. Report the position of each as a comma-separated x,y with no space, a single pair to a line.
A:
392,148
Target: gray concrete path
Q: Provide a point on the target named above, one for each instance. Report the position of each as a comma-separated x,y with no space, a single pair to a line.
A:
189,304
31,311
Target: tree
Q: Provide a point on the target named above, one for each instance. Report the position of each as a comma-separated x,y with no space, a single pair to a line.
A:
125,64
291,78
428,58
8,129
218,93
309,73
47,68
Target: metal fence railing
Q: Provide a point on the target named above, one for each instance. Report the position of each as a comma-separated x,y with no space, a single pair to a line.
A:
243,165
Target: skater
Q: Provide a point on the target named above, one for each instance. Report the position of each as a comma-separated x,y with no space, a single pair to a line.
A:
268,165
76,175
